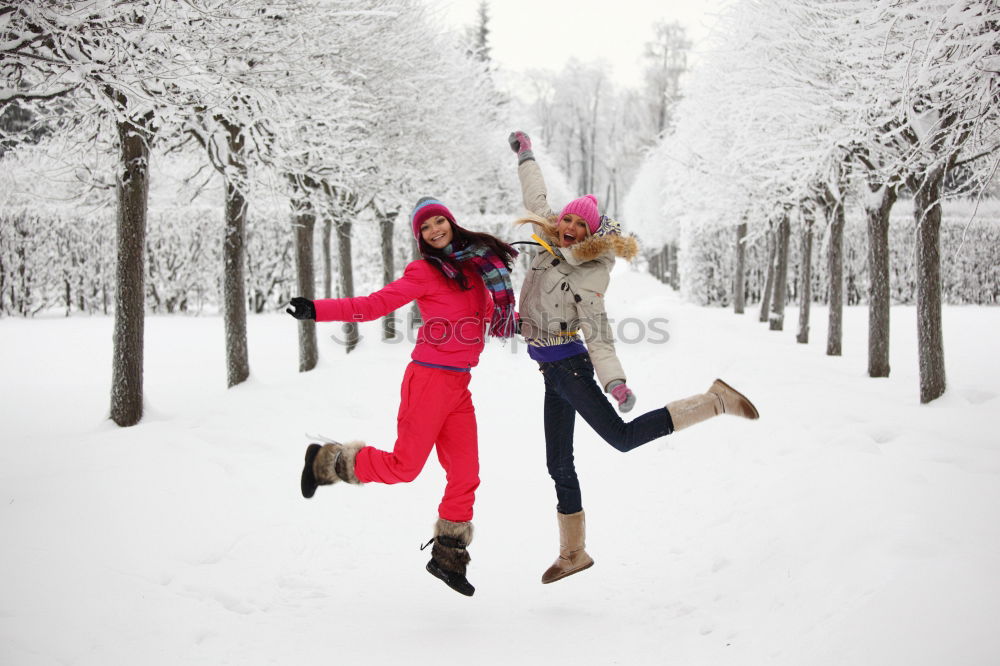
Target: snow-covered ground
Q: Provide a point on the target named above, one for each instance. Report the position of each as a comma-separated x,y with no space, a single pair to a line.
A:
850,525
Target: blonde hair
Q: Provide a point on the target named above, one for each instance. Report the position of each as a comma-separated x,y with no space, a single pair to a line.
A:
546,225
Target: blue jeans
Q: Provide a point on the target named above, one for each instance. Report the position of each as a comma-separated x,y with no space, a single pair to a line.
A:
570,388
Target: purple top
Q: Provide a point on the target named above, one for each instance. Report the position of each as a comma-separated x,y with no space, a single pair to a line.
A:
556,352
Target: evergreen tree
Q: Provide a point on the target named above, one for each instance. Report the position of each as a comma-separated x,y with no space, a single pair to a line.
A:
479,34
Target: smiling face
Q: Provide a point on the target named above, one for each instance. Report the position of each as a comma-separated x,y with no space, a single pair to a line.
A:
571,229
437,232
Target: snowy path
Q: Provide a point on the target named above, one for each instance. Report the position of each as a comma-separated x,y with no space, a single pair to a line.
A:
851,525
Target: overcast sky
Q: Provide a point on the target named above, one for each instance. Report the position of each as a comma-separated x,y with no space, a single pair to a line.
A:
546,33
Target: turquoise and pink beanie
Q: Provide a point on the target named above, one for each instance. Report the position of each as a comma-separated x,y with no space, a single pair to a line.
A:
425,209
585,207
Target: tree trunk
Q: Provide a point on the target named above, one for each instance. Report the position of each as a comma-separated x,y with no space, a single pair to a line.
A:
835,272
81,300
133,196
415,318
805,300
739,282
22,295
386,221
233,287
350,328
68,296
930,337
3,285
675,278
305,222
327,259
878,283
765,297
234,261
780,275
592,171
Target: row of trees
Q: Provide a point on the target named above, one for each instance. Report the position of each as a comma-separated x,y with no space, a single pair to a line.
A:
804,107
970,273
335,107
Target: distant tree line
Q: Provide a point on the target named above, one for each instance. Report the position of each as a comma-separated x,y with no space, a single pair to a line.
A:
970,274
598,131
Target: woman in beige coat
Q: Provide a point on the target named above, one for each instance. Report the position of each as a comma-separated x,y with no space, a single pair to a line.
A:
562,298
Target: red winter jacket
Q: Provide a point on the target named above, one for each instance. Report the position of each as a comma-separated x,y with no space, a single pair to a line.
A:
455,320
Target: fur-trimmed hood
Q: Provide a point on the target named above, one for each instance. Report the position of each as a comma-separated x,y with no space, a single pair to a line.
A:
592,247
626,247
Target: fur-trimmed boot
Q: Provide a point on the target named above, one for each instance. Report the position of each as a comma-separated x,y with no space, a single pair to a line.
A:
721,398
572,556
449,557
329,463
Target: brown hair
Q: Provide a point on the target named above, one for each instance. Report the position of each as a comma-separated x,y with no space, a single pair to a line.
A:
461,239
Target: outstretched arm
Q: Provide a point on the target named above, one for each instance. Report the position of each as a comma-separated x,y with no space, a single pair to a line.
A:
394,295
533,189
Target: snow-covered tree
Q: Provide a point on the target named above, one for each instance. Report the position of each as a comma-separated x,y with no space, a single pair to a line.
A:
123,60
666,60
262,54
946,65
409,121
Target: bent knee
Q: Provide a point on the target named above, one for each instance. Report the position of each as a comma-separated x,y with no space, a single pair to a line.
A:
619,443
407,474
403,470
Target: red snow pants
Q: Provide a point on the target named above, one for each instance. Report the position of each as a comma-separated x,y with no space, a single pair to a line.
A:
435,408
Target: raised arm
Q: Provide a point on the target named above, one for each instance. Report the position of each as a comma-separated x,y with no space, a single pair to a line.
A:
533,189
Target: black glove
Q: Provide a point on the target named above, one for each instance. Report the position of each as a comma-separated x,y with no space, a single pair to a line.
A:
303,308
521,144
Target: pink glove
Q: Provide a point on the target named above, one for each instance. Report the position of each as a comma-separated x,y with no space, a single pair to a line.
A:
623,394
521,144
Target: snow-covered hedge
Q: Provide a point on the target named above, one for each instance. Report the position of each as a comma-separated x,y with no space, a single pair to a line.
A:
55,260
64,260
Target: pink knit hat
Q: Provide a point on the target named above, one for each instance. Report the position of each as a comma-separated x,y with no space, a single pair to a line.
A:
427,208
585,207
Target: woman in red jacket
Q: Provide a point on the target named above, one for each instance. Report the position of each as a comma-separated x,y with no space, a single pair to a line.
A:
462,287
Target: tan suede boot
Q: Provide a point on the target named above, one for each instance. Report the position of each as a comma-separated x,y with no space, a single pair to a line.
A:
721,398
572,556
329,463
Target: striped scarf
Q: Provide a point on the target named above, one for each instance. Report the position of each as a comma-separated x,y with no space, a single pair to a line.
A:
496,277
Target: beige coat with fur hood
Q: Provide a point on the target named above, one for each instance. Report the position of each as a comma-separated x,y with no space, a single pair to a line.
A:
564,290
